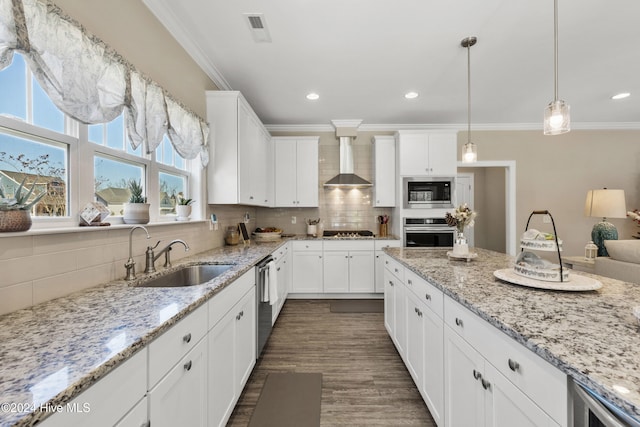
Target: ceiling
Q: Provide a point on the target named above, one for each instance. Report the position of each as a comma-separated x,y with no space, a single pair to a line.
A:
362,56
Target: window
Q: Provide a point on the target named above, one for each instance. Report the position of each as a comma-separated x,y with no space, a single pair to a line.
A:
42,145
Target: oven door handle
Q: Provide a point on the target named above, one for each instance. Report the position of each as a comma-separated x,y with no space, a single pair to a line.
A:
429,229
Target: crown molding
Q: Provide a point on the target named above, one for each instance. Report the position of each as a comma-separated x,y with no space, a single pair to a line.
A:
455,127
166,18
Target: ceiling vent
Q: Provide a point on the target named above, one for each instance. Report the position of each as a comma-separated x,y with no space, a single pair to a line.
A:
258,27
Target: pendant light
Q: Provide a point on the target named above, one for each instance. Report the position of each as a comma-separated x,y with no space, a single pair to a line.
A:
469,151
556,115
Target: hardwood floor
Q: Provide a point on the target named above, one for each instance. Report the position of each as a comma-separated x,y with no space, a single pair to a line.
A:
365,382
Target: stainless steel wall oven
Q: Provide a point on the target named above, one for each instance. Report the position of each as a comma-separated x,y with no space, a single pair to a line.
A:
428,232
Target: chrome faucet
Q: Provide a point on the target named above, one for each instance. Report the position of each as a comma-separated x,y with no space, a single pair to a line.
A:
131,264
151,258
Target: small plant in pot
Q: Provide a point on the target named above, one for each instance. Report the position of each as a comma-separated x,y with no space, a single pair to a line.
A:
15,212
183,209
137,210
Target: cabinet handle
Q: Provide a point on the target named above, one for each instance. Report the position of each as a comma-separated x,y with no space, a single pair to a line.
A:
278,269
477,375
459,322
415,309
386,262
346,256
377,256
319,256
146,424
396,270
427,297
187,366
410,282
419,313
485,384
250,197
513,365
390,283
187,338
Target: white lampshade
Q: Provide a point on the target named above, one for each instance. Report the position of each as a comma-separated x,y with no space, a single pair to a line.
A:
605,203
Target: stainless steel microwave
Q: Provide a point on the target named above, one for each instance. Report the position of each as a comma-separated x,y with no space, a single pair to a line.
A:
428,192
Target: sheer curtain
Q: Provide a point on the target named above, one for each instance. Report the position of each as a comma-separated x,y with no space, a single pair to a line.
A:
91,82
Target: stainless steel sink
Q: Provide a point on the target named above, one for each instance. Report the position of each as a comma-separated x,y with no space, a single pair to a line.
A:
187,276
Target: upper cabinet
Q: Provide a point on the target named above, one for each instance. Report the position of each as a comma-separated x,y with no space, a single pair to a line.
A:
240,150
296,171
384,171
427,153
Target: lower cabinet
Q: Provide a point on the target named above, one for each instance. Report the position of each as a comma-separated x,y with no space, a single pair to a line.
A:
180,398
379,256
307,267
232,356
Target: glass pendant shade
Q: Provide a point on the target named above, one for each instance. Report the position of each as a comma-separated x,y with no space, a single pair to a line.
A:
557,119
469,153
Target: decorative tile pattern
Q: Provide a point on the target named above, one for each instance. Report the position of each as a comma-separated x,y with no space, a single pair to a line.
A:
591,336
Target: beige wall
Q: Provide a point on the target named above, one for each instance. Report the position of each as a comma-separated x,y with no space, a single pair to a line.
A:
555,173
134,32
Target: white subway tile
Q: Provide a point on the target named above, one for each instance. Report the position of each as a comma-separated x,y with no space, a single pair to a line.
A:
16,297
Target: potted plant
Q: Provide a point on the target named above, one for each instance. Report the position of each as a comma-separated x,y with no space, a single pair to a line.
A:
15,213
183,209
137,210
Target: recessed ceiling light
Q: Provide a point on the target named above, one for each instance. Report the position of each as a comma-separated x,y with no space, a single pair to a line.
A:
411,95
621,95
313,96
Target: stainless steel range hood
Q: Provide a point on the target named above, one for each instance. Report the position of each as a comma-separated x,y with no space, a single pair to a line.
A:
347,177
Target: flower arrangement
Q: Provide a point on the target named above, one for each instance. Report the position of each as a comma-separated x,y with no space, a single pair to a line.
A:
462,217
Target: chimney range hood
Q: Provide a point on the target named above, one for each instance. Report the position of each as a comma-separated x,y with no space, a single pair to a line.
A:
346,132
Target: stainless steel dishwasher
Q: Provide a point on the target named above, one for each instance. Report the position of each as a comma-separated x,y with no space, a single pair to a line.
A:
264,310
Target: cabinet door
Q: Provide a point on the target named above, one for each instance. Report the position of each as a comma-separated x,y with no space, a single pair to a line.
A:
222,366
384,168
463,370
266,160
379,271
400,320
415,337
137,417
432,386
336,271
307,174
245,350
181,397
285,182
506,405
307,272
361,271
414,152
247,145
390,283
442,154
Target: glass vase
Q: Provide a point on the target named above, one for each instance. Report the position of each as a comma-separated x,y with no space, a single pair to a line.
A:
460,246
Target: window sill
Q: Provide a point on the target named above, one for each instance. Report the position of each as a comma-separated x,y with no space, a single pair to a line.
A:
79,229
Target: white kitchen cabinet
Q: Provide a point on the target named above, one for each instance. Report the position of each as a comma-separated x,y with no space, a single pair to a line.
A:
239,170
516,388
390,283
307,267
394,277
283,273
384,171
295,161
427,153
137,417
180,398
109,400
349,266
379,261
232,356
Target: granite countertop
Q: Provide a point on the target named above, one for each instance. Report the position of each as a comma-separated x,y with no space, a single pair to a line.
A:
591,336
53,351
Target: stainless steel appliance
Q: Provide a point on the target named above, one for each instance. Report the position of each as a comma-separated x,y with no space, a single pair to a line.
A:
428,232
427,192
264,308
592,410
352,234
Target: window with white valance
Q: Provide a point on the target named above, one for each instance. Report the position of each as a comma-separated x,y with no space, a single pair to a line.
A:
92,83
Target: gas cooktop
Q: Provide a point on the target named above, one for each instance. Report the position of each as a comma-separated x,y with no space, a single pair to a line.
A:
347,233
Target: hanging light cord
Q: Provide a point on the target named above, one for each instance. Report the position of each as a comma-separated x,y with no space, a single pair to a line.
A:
555,50
468,92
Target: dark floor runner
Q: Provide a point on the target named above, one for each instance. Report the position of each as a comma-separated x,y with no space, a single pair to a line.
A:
357,306
289,400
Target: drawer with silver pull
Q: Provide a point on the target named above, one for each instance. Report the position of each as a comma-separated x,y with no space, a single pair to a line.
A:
426,292
166,350
307,245
394,267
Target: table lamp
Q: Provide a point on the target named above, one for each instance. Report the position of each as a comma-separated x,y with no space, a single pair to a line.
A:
605,203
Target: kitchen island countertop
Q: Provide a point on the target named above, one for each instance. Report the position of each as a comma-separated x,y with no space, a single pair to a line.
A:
591,336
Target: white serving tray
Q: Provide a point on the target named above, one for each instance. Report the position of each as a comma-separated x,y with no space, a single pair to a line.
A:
468,257
576,282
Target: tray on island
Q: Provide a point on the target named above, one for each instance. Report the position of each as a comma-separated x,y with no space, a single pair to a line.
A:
575,283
